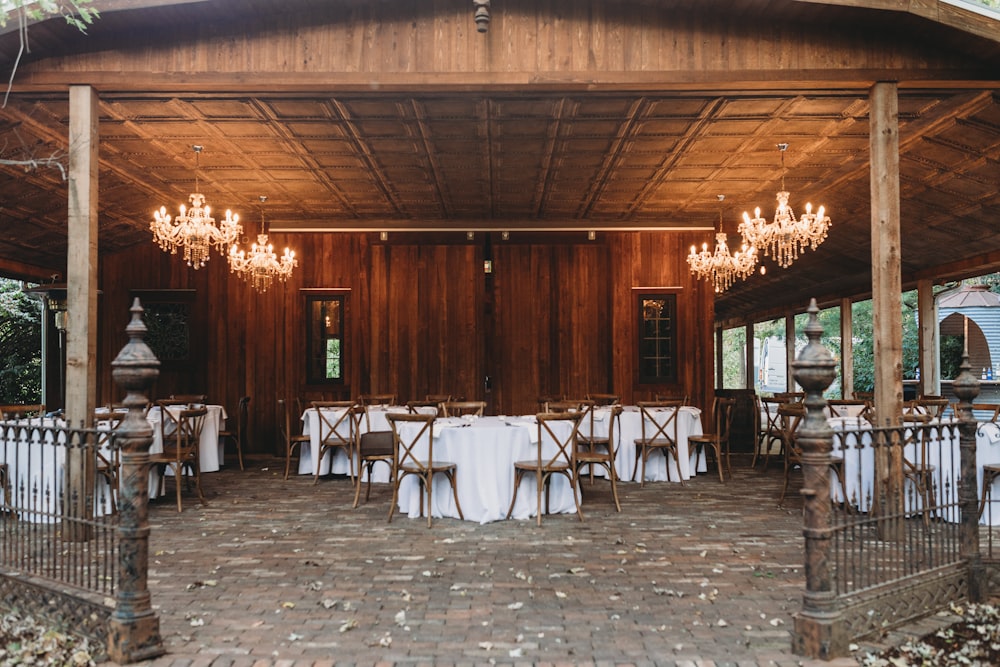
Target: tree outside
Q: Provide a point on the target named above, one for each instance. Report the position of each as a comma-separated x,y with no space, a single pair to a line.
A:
21,343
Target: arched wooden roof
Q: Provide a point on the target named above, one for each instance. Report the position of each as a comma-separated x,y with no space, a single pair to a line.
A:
566,115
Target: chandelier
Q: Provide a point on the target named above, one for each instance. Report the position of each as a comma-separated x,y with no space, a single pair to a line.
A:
785,237
721,267
261,266
194,229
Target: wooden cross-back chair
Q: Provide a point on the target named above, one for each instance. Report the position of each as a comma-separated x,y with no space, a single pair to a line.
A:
292,441
107,454
377,399
555,454
181,433
238,436
337,430
770,429
411,458
598,451
463,408
374,447
716,440
659,433
425,407
188,398
604,399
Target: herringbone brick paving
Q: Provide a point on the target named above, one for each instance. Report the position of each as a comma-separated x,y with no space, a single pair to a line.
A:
285,573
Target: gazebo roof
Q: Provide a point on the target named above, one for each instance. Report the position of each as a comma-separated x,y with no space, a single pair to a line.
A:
969,296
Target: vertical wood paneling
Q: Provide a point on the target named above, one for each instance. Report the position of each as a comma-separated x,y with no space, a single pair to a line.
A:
563,321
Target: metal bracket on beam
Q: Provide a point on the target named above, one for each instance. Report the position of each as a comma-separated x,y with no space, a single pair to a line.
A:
482,15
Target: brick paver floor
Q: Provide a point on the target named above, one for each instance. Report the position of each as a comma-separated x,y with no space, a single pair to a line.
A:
285,573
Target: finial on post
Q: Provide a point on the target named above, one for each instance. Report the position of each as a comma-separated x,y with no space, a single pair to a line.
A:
482,15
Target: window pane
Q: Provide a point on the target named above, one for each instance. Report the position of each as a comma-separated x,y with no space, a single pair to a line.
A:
657,344
325,331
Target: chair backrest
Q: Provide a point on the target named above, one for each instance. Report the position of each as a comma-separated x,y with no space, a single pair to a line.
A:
337,422
987,411
439,398
568,405
659,420
377,399
557,446
461,408
22,411
604,399
407,444
934,406
548,398
772,420
722,416
683,398
242,417
188,398
614,423
846,407
186,437
790,395
425,407
791,414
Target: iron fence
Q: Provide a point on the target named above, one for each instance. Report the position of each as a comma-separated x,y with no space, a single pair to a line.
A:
896,491
58,518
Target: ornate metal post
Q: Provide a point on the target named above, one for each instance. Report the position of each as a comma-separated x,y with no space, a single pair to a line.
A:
966,388
134,629
819,629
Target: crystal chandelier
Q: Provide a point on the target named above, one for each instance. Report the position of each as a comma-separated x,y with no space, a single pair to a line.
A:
721,267
261,266
785,237
194,229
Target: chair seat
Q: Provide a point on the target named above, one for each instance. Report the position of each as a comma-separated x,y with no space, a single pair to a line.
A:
532,464
436,466
656,442
592,457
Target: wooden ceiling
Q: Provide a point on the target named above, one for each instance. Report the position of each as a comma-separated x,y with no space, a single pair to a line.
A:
521,159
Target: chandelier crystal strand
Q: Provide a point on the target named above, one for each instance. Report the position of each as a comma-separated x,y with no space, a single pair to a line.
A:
720,267
785,237
194,229
261,266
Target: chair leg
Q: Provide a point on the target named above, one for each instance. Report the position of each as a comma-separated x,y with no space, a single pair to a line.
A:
178,474
239,451
517,484
454,492
988,478
357,485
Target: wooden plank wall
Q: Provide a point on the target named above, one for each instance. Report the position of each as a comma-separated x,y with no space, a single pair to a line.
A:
422,317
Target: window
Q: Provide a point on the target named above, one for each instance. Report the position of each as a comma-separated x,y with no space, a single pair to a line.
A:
325,344
657,338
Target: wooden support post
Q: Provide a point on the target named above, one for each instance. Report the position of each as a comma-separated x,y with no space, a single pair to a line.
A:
887,314
751,376
846,348
820,631
719,356
81,298
930,347
134,629
789,351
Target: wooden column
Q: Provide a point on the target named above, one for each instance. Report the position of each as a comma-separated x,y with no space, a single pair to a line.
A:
81,297
887,324
887,319
930,349
846,348
789,351
751,377
718,358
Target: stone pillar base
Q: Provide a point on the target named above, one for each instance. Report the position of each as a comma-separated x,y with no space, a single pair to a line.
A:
134,640
820,637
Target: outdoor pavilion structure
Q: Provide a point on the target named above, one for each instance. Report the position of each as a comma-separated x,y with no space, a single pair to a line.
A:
578,146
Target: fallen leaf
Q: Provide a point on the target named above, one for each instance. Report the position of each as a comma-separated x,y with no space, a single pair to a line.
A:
348,625
288,605
515,605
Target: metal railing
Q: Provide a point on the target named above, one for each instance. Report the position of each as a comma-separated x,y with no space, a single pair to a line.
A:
898,512
58,522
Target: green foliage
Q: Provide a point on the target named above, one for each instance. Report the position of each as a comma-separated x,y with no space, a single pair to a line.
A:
76,12
20,342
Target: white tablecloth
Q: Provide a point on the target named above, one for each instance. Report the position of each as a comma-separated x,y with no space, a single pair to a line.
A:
688,424
859,464
484,451
35,464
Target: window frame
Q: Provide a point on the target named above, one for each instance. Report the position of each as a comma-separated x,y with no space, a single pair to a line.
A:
313,328
669,297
